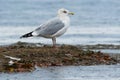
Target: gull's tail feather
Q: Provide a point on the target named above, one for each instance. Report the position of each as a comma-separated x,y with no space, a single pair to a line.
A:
27,35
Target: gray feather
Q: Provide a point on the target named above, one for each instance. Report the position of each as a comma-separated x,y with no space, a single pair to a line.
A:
50,28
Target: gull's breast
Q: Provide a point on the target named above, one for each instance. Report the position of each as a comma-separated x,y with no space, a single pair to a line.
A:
66,22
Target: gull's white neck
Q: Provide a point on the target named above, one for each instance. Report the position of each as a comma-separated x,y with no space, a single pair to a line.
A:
65,19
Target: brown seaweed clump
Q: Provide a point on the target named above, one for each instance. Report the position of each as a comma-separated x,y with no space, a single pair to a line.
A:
20,66
47,56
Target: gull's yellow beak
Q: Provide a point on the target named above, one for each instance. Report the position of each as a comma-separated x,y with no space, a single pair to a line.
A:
71,13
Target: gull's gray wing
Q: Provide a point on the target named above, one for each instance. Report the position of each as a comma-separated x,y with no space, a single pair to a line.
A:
50,27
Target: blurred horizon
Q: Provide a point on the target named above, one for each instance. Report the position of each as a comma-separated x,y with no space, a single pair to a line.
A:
35,12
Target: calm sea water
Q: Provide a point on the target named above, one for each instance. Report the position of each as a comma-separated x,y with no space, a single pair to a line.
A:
94,22
102,72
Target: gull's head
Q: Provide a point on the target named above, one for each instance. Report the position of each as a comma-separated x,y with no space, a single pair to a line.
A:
64,12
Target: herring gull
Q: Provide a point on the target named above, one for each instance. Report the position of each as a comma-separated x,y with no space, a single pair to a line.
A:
52,28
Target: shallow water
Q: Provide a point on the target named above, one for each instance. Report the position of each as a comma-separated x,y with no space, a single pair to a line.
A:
94,22
100,72
110,51
75,36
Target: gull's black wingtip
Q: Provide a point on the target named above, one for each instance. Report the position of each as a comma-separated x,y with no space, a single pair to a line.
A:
27,35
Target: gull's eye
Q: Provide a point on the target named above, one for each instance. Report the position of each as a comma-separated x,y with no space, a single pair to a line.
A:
64,11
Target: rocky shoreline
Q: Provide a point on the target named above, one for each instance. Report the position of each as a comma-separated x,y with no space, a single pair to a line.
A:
32,55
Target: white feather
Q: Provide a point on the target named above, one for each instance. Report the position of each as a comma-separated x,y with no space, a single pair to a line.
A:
12,58
10,62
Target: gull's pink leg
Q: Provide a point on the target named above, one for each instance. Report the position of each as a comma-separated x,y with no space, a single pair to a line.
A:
54,42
